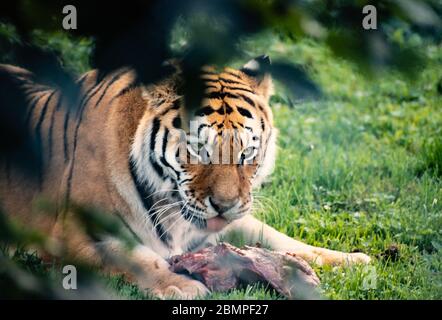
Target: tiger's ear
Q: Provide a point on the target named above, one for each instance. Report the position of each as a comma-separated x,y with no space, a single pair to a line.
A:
258,70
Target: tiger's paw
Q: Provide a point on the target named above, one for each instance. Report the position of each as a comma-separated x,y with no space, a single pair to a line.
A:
358,258
180,287
320,256
343,259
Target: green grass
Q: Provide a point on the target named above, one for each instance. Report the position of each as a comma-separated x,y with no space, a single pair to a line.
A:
359,170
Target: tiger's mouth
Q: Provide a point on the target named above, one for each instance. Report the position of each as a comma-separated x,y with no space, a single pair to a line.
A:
202,220
213,224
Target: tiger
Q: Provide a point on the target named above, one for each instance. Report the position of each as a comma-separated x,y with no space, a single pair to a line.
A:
119,151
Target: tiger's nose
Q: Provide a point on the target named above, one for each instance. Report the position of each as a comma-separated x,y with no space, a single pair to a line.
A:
222,206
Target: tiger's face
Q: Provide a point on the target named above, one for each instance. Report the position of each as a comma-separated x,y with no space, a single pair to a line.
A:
230,145
227,149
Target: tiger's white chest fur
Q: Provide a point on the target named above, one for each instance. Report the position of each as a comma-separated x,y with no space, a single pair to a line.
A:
184,237
176,234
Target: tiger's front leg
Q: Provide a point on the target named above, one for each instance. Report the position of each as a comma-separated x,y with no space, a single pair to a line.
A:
143,266
254,231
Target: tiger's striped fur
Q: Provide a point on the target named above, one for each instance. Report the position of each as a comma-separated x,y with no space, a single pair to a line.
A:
117,151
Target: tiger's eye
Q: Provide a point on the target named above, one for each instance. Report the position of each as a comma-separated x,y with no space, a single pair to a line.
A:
248,152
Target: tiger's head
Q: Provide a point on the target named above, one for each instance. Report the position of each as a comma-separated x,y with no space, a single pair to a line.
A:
227,149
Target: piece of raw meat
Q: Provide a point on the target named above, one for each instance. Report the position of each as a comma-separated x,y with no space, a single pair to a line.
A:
224,267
